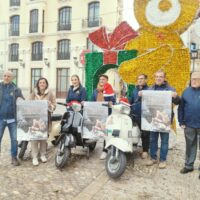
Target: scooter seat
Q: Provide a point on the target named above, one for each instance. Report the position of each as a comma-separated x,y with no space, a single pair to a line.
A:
56,117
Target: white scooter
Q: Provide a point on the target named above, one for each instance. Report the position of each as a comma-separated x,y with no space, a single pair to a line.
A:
121,137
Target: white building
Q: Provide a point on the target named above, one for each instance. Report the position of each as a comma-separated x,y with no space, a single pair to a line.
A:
46,37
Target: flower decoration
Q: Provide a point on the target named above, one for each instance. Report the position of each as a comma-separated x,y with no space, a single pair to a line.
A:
158,42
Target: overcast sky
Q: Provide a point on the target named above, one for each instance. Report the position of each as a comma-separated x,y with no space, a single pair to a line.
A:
129,15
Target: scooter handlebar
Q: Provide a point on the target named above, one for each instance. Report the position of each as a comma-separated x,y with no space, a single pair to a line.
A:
63,104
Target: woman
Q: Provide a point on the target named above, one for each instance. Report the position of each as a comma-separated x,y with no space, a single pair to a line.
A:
76,91
41,92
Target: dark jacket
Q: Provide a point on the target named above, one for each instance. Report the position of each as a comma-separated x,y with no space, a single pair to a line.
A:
78,94
135,102
189,108
8,96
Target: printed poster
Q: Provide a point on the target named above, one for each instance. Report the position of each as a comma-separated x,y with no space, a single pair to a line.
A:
95,116
156,110
32,120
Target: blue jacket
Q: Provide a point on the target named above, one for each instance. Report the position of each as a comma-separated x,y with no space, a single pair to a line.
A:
8,96
189,108
135,102
78,94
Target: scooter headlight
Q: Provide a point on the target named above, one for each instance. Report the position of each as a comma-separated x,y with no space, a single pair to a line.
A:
125,109
76,107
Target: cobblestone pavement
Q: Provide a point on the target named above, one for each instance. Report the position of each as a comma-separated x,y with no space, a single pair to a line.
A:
86,179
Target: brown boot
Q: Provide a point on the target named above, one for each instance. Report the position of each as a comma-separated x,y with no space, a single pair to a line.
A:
15,161
151,162
163,165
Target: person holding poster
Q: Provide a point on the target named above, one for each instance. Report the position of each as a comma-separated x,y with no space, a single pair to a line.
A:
41,92
104,92
189,120
9,93
135,102
76,91
161,85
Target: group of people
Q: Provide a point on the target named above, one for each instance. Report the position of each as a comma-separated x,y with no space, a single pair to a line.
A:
188,114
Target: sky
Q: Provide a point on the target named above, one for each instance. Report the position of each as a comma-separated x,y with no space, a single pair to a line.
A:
128,14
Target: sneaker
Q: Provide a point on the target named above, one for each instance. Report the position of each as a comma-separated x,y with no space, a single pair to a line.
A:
103,155
162,165
35,162
43,159
151,162
186,170
144,155
15,161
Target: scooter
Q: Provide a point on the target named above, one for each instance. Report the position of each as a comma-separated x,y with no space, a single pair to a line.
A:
122,135
55,118
71,134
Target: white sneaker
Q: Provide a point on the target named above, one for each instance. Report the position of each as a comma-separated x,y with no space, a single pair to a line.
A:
35,162
103,155
43,159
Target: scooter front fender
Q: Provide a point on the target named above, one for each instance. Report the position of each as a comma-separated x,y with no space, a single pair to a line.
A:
120,144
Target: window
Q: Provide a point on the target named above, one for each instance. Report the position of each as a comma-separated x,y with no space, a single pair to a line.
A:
63,52
91,46
33,21
14,25
14,2
36,73
64,18
37,51
14,52
93,14
63,82
15,76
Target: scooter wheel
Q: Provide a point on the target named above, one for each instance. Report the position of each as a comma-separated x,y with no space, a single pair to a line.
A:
62,155
115,167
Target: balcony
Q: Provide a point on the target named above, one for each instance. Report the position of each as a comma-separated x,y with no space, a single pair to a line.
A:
14,32
37,57
90,23
64,27
14,3
36,1
63,56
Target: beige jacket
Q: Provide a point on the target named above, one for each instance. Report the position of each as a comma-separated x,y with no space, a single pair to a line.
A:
48,95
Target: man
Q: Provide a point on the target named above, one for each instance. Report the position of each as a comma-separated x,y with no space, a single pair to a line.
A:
8,96
104,92
135,101
161,85
189,120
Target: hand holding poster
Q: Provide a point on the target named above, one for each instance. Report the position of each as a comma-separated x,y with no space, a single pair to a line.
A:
32,120
156,110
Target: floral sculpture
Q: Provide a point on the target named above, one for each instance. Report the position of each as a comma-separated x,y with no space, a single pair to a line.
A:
158,42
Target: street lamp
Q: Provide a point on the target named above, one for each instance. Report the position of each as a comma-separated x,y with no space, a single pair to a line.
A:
194,56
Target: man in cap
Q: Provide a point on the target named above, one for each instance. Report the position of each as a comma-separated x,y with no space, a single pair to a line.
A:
189,120
8,96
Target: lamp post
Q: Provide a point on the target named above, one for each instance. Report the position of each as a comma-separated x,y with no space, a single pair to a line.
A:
194,56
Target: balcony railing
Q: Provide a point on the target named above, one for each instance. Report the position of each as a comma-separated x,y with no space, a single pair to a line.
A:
14,3
64,27
33,28
14,58
36,57
63,56
89,23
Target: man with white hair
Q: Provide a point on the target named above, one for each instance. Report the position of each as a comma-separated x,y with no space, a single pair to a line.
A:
189,120
8,96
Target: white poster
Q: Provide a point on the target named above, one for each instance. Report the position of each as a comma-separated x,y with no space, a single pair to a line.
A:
95,115
156,110
32,120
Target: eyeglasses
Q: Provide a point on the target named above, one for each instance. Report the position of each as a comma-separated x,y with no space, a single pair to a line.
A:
195,79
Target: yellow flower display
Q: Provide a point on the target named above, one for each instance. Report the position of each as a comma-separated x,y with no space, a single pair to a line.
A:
159,44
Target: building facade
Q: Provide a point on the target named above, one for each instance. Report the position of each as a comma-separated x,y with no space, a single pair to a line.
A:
46,37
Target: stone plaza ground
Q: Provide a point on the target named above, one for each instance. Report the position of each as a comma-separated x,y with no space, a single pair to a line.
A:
86,179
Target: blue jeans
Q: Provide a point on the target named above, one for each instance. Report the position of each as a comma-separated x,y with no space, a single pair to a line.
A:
154,145
12,127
